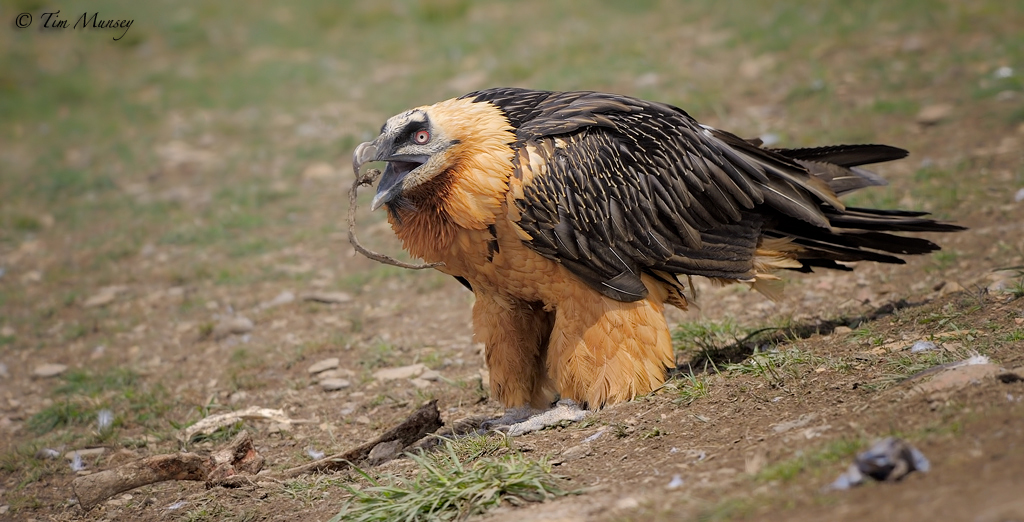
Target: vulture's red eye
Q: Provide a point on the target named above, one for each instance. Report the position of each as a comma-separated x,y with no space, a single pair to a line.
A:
421,137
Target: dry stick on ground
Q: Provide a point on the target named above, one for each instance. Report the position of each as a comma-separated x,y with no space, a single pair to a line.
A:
224,467
367,179
237,463
423,421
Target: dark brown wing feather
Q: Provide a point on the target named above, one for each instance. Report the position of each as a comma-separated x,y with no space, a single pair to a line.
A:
633,186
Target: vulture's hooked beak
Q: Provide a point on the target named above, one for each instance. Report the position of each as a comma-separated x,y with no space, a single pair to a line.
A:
399,166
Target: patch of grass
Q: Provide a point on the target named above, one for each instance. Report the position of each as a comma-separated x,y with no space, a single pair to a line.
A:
945,259
313,489
1014,336
775,366
707,336
690,387
378,355
446,487
474,447
83,394
830,453
728,509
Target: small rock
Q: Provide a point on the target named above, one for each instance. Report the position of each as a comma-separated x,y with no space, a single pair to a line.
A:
318,171
400,372
384,452
420,383
232,326
32,276
105,296
431,375
323,366
85,453
3,371
327,297
49,370
951,287
334,384
576,452
7,331
1019,196
342,373
932,114
957,375
841,330
362,419
923,346
282,298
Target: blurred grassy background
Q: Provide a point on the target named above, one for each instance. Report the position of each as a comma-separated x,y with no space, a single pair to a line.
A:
196,128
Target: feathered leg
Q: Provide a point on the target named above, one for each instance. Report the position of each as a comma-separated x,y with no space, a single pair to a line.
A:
515,336
605,351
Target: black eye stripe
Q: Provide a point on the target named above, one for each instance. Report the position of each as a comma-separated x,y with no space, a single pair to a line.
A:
409,133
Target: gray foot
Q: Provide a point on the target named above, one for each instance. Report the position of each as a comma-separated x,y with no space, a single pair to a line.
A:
520,421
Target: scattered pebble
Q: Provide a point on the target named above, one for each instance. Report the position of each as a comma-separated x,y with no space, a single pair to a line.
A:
384,452
675,483
420,383
956,375
923,346
430,375
3,371
951,287
597,435
400,372
49,370
324,365
889,459
281,299
1019,196
7,331
334,384
841,330
576,452
232,325
1003,72
104,296
327,297
933,114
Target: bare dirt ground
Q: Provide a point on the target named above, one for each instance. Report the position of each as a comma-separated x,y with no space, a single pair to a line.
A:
130,287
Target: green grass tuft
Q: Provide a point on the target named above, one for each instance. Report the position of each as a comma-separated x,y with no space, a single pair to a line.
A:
446,487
